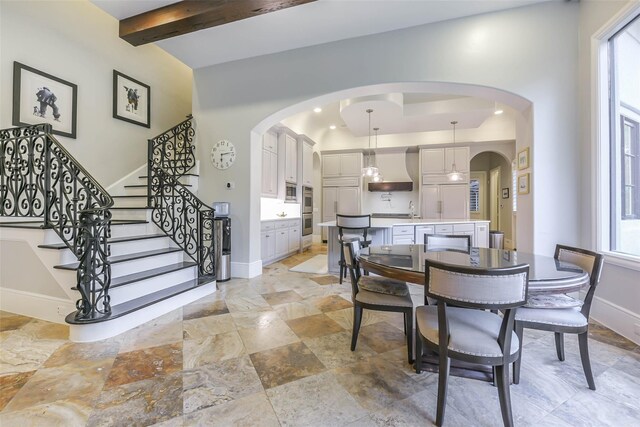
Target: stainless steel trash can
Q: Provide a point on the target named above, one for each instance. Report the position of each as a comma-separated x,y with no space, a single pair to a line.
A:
222,248
496,239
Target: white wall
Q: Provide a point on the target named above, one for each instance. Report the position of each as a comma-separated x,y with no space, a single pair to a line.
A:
617,302
529,51
77,42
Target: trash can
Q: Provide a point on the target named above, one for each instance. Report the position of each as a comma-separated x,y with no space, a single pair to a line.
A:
496,239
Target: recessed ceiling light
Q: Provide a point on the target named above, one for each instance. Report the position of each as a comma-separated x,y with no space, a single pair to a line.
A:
317,110
498,112
332,127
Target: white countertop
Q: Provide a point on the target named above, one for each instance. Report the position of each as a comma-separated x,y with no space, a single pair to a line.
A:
277,218
390,222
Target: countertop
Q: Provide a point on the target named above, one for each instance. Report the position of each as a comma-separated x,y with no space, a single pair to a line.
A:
390,222
277,218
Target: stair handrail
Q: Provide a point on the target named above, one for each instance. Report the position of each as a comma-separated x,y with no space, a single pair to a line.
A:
40,178
177,211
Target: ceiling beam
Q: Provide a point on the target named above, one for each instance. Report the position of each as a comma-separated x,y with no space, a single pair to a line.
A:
187,16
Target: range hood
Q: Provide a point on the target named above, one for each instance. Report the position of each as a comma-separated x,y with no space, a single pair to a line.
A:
392,164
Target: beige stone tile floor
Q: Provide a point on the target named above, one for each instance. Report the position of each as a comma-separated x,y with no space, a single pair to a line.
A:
274,351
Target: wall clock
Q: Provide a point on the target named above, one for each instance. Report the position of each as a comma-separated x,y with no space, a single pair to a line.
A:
223,154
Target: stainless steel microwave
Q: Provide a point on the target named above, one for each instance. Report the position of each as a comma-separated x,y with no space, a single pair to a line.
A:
291,194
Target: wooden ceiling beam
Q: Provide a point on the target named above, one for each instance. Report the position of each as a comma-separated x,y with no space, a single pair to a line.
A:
188,16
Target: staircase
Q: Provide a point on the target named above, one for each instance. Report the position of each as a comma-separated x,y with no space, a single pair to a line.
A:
151,269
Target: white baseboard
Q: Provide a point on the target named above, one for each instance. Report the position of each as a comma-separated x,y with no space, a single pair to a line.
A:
246,270
135,174
316,238
40,306
616,318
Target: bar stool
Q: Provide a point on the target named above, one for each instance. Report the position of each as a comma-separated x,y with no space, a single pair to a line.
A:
353,224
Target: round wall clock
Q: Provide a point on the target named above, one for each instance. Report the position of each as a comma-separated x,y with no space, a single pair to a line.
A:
223,154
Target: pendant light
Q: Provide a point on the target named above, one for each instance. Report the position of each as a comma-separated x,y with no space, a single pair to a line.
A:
454,175
370,170
378,177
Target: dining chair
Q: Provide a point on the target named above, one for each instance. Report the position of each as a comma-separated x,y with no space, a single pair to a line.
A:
570,320
448,241
376,293
466,331
357,226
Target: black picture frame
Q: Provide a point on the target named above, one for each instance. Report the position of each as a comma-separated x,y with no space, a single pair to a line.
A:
505,193
39,97
131,100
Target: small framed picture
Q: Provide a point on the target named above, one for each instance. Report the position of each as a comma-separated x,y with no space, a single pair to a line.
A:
523,183
505,193
131,100
39,97
523,159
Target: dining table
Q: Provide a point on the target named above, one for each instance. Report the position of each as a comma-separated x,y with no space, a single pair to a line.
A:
547,277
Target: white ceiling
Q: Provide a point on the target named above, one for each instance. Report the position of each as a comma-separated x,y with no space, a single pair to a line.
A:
310,24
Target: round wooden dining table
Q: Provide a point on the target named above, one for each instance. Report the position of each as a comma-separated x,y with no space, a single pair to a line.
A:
547,275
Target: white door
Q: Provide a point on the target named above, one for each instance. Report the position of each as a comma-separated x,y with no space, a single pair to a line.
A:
481,178
432,160
459,155
349,200
291,160
454,201
307,165
494,198
273,174
266,171
423,230
331,165
294,239
430,202
329,203
350,164
282,242
264,245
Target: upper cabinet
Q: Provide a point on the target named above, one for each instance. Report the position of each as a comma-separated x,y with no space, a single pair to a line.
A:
341,165
289,145
307,162
436,163
270,164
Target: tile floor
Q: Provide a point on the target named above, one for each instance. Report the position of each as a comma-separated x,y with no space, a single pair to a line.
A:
274,350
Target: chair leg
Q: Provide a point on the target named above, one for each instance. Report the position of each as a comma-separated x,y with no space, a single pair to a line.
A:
408,327
443,377
341,271
495,377
516,365
504,394
584,357
418,362
357,318
560,345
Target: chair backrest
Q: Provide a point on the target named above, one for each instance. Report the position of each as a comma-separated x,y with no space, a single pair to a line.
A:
448,241
353,222
496,288
589,261
351,248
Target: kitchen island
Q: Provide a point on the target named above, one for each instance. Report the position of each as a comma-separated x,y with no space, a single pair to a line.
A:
389,231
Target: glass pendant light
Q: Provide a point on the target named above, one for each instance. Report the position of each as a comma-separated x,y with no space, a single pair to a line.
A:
454,175
378,177
370,170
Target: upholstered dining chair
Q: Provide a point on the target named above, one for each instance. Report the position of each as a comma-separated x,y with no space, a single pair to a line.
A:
376,293
570,320
467,331
356,226
448,241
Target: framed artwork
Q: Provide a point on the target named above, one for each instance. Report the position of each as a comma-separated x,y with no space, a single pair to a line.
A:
131,100
523,159
523,183
505,193
39,97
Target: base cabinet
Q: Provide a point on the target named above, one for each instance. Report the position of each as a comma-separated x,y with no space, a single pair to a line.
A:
279,239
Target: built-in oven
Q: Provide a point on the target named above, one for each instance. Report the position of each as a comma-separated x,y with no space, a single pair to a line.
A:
307,200
307,224
290,195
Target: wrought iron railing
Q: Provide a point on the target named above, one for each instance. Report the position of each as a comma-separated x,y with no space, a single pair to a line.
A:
40,178
176,210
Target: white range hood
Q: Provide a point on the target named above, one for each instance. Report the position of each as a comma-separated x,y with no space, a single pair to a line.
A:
392,164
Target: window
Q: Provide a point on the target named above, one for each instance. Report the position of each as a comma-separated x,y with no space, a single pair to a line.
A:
474,188
624,143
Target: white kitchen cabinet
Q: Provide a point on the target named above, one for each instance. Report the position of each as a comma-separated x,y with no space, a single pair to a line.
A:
279,239
270,141
282,242
403,235
268,244
445,201
341,165
436,163
294,239
432,160
422,230
340,200
482,235
307,164
459,155
291,159
269,174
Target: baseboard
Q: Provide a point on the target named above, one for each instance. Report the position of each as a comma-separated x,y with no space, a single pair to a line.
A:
40,306
316,238
246,270
616,318
142,170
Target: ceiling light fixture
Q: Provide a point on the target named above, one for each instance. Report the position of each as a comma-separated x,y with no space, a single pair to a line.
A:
370,170
496,110
378,177
317,110
454,175
332,127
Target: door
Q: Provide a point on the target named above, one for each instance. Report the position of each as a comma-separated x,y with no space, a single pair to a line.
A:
459,156
269,173
478,207
331,165
307,165
282,241
329,206
348,200
291,160
494,198
350,164
294,239
432,160
421,231
430,202
454,201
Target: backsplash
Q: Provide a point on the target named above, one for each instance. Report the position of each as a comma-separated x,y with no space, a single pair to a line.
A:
394,202
269,208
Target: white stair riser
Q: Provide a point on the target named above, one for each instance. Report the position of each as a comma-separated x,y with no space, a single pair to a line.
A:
124,202
124,248
131,230
137,265
133,214
138,289
135,191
